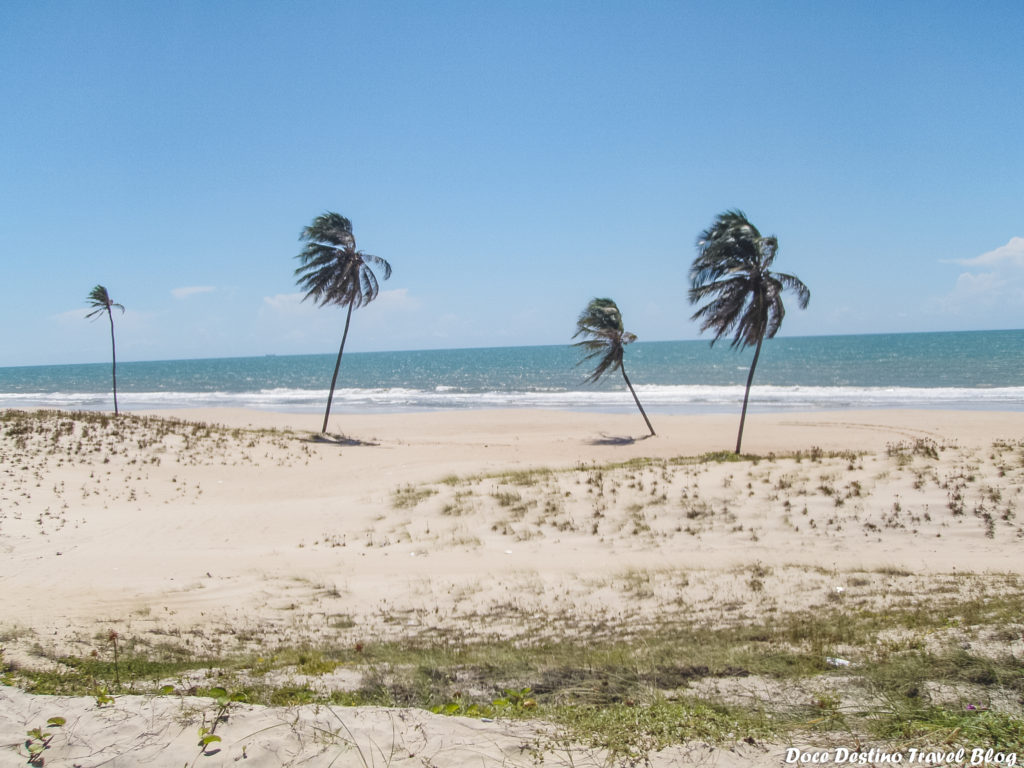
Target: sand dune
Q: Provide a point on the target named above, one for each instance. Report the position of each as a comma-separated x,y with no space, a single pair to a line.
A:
260,534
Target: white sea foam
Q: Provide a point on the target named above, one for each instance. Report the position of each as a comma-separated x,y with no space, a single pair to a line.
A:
664,399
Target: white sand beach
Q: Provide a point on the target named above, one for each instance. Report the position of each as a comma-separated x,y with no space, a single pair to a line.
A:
476,524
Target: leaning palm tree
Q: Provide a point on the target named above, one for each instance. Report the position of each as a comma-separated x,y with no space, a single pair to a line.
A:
604,337
100,299
732,274
332,271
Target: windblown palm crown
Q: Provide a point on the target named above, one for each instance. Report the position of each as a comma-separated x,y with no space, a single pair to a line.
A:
99,299
332,271
732,274
605,337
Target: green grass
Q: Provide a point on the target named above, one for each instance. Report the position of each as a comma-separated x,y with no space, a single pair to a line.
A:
631,730
627,691
937,725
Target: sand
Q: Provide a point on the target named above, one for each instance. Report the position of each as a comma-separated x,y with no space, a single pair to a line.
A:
416,525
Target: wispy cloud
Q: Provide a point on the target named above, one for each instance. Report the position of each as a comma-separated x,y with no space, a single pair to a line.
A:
288,304
1009,255
991,287
396,299
71,316
191,290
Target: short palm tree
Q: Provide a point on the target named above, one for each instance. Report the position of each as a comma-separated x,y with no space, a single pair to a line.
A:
732,274
332,271
605,338
100,300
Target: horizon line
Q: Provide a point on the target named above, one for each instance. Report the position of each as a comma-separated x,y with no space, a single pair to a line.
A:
502,346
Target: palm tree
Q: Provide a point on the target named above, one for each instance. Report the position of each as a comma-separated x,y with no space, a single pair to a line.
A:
332,271
732,274
604,337
100,299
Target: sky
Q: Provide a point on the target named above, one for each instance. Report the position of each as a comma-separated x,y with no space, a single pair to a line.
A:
510,160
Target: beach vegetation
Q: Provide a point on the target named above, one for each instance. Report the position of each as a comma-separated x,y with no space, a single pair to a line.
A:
333,272
604,339
708,653
39,739
101,302
102,696
633,690
409,496
461,504
207,732
741,296
507,498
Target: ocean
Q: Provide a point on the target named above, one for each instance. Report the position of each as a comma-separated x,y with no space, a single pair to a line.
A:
963,370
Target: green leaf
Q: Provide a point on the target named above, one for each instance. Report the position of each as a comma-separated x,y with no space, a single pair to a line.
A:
56,721
209,739
218,692
166,690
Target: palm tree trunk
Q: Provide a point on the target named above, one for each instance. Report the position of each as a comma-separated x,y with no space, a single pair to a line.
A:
746,395
337,365
113,356
637,400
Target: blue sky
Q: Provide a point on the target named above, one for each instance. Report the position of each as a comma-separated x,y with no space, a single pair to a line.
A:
511,160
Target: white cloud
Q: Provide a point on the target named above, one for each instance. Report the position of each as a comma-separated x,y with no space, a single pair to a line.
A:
288,304
978,287
71,316
1009,255
395,299
191,290
990,292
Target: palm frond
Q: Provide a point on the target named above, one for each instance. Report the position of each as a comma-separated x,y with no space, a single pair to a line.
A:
99,298
604,337
742,297
768,246
731,276
331,228
795,284
379,262
331,270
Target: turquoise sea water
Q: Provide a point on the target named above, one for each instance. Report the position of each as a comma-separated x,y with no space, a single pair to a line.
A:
982,369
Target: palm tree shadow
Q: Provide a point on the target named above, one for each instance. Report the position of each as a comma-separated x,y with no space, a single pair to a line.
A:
612,440
339,440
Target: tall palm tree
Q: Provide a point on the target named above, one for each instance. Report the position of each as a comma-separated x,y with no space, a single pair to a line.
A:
100,299
744,297
332,271
604,337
